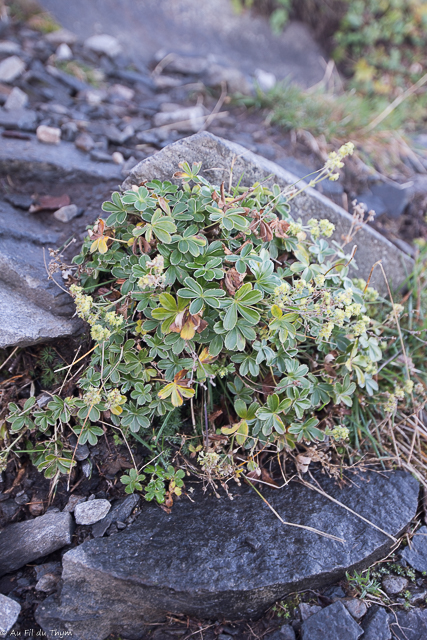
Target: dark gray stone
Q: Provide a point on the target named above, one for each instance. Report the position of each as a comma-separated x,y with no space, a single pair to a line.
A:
376,624
411,625
24,119
306,610
30,158
335,620
24,542
416,554
334,593
194,561
23,322
284,633
217,156
9,612
118,514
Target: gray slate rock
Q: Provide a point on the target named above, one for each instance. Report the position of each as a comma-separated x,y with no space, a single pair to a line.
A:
388,197
411,625
217,153
334,620
67,213
23,119
284,633
195,561
376,624
16,100
120,511
11,68
24,542
23,322
416,554
91,511
29,158
9,612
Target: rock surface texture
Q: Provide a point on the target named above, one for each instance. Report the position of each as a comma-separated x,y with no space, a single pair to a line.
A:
201,559
9,612
416,554
217,156
26,541
333,622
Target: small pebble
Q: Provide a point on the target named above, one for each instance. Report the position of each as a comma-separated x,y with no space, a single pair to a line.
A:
11,68
64,52
48,135
73,501
91,511
356,607
118,157
394,584
84,142
47,582
65,214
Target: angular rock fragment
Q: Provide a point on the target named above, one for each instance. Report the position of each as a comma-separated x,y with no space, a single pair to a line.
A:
196,560
120,511
334,620
416,554
221,155
24,542
91,511
103,43
11,68
9,612
376,624
410,625
67,213
16,100
48,135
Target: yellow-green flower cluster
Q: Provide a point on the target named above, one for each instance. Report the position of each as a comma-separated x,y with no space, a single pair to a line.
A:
338,433
326,330
294,228
92,397
370,294
281,294
321,227
99,333
344,297
83,303
335,159
408,387
353,310
113,401
361,325
391,404
113,319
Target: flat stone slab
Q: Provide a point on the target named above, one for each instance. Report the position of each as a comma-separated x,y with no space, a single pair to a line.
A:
336,620
23,323
9,612
217,156
416,554
31,157
26,541
216,558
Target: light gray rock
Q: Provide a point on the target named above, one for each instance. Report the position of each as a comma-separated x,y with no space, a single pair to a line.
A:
61,36
376,624
11,68
67,213
416,554
187,65
265,80
306,610
119,513
393,585
185,119
47,582
91,511
9,612
23,323
26,541
357,608
334,620
63,52
16,100
103,43
48,135
216,153
195,560
7,47
73,501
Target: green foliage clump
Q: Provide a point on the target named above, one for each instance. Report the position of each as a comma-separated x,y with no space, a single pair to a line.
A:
201,298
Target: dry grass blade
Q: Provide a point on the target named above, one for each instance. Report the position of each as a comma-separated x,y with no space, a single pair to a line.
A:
292,524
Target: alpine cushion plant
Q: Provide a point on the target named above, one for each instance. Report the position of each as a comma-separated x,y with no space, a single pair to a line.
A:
220,305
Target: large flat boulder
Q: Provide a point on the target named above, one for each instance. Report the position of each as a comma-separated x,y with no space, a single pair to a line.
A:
218,156
216,558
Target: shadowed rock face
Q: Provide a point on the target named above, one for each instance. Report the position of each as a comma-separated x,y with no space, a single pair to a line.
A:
226,559
218,156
